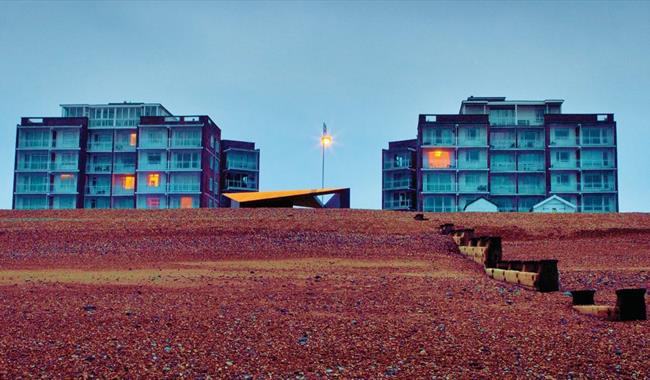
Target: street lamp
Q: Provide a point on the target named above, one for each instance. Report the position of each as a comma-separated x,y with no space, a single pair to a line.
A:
325,141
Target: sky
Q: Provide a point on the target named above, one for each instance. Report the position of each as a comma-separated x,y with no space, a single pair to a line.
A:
273,72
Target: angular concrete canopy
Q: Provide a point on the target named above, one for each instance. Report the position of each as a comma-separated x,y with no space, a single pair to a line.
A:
291,198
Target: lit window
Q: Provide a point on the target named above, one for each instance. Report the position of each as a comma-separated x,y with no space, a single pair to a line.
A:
66,177
132,139
439,158
153,180
129,182
186,202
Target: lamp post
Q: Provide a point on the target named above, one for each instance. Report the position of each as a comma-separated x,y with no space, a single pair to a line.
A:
325,141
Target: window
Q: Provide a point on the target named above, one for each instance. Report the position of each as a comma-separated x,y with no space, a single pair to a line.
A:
153,180
472,133
561,134
132,139
472,155
186,202
128,182
437,159
154,158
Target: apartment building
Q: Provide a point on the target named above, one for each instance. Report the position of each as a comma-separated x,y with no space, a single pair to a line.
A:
515,154
119,155
241,168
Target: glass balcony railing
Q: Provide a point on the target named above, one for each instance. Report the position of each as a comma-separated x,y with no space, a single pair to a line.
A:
503,144
35,166
185,143
185,165
598,187
401,204
184,187
65,166
503,166
32,188
397,184
503,189
34,144
557,187
472,188
596,164
234,184
64,189
98,190
563,165
397,164
438,187
98,168
472,165
120,190
124,147
527,144
100,146
530,166
124,168
531,190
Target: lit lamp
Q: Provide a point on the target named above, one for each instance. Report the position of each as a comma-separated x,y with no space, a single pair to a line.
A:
325,141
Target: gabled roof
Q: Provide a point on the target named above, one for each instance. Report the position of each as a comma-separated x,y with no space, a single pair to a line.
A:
478,199
555,197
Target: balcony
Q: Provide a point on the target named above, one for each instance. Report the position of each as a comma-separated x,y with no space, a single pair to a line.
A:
240,185
185,143
537,144
597,164
393,204
530,166
241,165
503,189
439,187
32,188
33,166
100,147
472,165
473,188
34,144
124,168
397,184
508,166
503,144
64,189
566,165
120,190
596,188
185,165
564,188
531,190
98,190
64,166
98,168
124,147
184,188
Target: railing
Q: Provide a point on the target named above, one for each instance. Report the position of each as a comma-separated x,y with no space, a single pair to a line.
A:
438,187
525,189
472,165
98,190
439,142
185,165
119,190
501,144
185,143
563,142
472,189
531,144
530,166
103,146
148,166
503,189
34,144
64,166
64,189
233,184
503,166
124,168
397,184
242,165
397,204
597,164
392,164
502,121
184,187
561,187
603,187
124,147
42,188
33,166
597,141
563,165
98,168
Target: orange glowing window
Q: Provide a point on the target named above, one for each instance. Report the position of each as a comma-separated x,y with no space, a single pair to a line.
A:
186,202
128,182
66,177
132,139
153,180
439,158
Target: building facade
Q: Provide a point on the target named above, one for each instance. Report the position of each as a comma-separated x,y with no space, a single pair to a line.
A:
513,153
119,155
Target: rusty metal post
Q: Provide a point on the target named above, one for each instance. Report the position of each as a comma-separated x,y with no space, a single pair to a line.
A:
631,304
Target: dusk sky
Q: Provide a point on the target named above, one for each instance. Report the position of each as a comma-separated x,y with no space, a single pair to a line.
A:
273,72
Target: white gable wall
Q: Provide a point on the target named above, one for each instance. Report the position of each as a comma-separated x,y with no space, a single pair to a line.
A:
554,205
481,205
